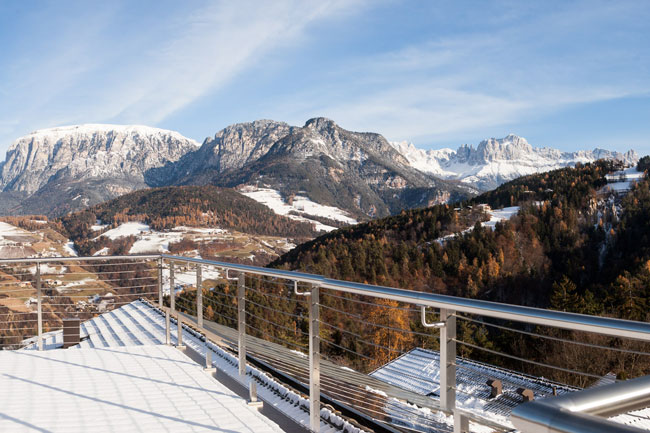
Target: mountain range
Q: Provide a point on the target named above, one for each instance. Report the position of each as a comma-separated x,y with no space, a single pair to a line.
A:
496,161
58,170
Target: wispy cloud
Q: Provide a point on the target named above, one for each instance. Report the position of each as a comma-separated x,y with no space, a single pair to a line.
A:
467,82
457,70
218,42
96,74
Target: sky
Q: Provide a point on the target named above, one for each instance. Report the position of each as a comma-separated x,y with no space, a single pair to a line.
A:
565,74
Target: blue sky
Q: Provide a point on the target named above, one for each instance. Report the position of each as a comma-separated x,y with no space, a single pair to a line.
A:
566,74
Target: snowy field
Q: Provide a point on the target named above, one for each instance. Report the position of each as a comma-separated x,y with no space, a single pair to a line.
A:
18,243
301,204
621,181
237,245
148,240
8,231
498,215
126,229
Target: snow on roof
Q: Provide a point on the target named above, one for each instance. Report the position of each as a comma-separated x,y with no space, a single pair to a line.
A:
419,371
132,388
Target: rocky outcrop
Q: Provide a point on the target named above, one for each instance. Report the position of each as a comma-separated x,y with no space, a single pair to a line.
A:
230,148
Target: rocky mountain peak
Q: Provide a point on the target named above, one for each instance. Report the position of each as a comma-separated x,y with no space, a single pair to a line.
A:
89,152
235,145
321,123
498,160
508,148
511,147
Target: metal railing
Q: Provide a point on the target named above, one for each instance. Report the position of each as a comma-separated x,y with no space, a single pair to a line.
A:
292,310
583,411
35,293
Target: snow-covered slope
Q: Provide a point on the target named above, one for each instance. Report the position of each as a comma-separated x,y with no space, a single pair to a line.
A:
220,242
300,209
16,242
495,161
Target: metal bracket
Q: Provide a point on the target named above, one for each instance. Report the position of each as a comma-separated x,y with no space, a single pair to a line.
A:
228,277
295,290
423,309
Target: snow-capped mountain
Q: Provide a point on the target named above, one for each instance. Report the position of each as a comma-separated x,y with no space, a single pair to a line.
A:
495,161
95,162
54,171
357,172
88,151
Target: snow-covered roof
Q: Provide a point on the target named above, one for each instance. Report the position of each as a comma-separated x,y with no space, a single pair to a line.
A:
129,388
419,371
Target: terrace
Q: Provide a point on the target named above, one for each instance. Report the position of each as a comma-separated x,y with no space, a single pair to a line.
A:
284,339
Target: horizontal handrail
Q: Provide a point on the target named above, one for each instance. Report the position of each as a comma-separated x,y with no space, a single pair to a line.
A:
558,319
76,259
538,316
581,412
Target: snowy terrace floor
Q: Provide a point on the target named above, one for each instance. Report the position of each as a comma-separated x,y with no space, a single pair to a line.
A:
128,388
140,324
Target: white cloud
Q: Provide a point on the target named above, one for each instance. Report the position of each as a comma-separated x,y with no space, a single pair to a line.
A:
159,70
218,42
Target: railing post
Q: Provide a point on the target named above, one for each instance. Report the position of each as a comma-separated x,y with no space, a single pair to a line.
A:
179,327
241,323
314,360
160,282
172,295
208,358
448,360
461,423
168,338
39,306
199,296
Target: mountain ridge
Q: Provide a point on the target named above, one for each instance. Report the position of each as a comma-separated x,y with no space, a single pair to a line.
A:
358,172
496,161
113,159
63,169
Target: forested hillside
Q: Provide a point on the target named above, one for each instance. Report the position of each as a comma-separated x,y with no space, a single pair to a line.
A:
196,206
572,247
557,233
169,207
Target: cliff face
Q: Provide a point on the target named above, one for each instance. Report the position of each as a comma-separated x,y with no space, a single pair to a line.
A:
88,152
230,148
98,162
